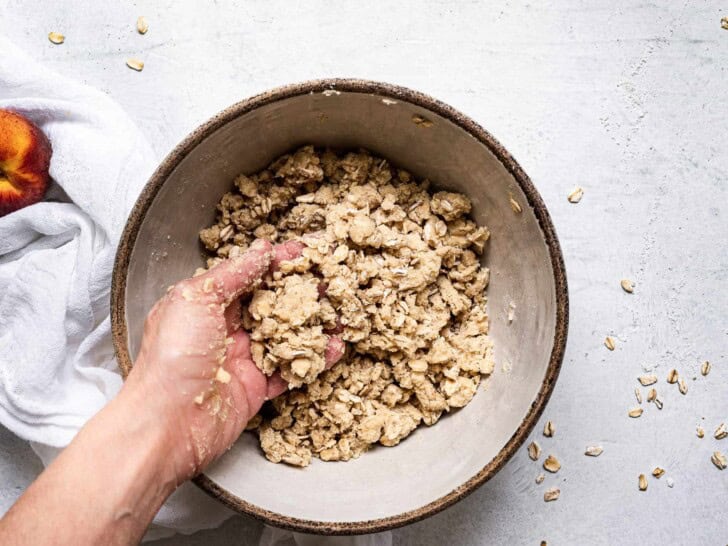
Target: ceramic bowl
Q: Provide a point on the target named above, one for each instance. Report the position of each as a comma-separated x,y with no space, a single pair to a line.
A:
436,466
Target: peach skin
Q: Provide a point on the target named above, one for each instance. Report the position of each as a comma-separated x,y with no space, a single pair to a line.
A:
25,155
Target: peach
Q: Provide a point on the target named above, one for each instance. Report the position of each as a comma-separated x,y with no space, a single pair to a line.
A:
25,155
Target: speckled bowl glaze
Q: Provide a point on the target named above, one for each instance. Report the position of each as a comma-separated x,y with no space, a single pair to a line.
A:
435,466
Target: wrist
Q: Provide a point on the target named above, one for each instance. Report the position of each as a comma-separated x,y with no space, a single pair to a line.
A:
106,486
118,470
149,406
145,425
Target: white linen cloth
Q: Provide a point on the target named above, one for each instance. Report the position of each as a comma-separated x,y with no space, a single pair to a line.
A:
57,365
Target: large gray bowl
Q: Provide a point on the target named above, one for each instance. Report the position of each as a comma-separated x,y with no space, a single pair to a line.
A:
435,467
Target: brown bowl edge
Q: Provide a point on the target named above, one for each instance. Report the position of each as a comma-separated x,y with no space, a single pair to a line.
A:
131,229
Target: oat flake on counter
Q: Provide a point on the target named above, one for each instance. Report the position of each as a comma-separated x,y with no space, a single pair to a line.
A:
56,38
576,194
142,25
549,429
534,451
551,494
552,464
593,451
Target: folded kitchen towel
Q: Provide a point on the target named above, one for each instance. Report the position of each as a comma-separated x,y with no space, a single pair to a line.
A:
57,365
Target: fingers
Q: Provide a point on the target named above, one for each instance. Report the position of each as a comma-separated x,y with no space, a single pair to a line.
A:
249,390
290,250
257,387
276,386
233,315
322,288
236,276
283,252
336,330
335,349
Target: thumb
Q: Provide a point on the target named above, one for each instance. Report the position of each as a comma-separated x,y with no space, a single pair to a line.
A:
248,384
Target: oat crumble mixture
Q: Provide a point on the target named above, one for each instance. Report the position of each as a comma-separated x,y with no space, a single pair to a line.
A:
389,267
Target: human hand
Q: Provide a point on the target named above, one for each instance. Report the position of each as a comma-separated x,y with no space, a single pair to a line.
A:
196,363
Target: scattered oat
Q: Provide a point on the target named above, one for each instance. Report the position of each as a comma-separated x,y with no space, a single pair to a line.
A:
658,403
658,472
540,478
514,205
576,194
682,386
638,395
635,412
594,451
56,38
199,399
672,376
721,432
647,380
142,25
609,343
670,482
652,395
705,368
135,64
627,285
534,451
551,494
551,464
549,429
719,460
700,431
421,121
642,482
724,23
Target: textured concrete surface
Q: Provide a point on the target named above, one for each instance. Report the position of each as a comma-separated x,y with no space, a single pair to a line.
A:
627,100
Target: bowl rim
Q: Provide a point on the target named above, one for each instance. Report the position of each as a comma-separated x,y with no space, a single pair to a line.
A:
395,92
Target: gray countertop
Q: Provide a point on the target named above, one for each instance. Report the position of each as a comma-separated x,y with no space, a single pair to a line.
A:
628,100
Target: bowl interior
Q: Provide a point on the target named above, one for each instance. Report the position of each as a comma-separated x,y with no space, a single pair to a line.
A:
435,461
